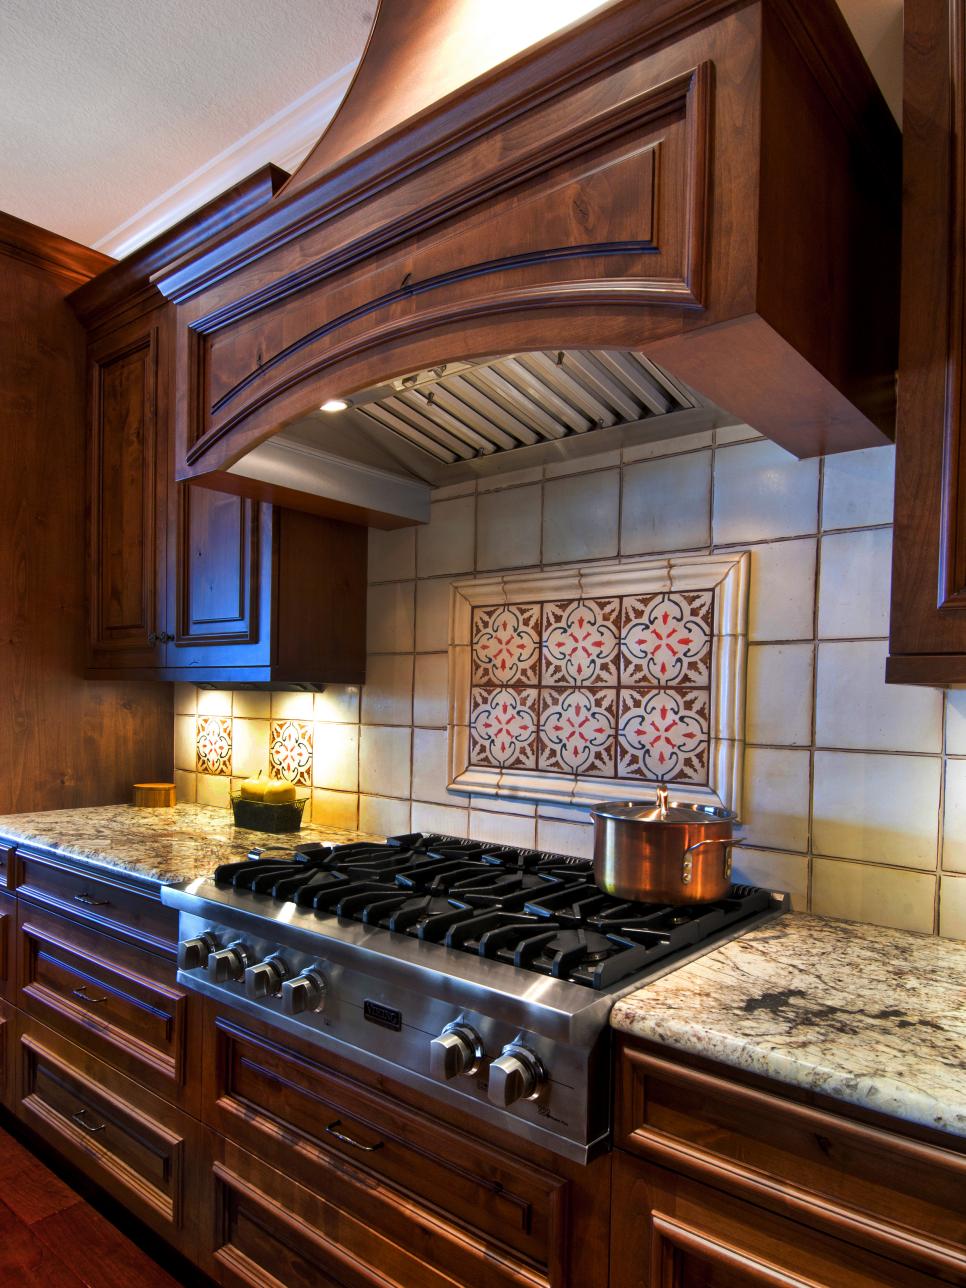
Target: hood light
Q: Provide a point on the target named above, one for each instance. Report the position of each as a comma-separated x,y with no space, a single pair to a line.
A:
334,404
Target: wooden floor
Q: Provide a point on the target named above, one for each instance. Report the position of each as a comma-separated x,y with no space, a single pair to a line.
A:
52,1238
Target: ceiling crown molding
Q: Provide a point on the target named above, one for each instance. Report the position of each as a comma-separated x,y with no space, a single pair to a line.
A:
283,139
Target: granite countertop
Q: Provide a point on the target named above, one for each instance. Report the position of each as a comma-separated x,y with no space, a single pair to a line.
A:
871,1016
165,846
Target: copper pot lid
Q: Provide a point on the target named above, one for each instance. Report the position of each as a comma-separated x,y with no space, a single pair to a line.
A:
662,810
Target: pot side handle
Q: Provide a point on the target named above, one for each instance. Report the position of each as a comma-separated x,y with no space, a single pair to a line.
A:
728,842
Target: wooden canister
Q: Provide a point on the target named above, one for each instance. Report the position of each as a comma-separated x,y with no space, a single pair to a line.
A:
154,795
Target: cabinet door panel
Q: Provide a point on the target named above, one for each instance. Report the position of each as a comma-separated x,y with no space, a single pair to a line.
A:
668,1232
221,602
128,476
8,924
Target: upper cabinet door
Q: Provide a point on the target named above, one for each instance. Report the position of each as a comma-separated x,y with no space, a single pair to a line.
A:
220,590
128,475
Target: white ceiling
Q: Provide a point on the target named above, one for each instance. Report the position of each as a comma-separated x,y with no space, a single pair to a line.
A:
120,116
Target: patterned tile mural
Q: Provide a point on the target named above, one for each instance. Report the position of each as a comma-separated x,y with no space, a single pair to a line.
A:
616,687
213,742
290,751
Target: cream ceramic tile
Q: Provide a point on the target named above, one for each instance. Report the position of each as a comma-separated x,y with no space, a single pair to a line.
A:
292,706
858,488
956,722
779,694
185,787
864,892
387,695
185,743
213,789
506,477
781,593
669,446
774,870
501,805
761,492
854,707
775,813
725,435
249,747
882,809
392,555
432,615
214,702
666,504
855,574
954,819
335,756
382,816
503,829
384,760
389,618
508,528
583,464
565,838
185,700
430,766
431,690
338,704
337,809
251,704
446,819
580,517
952,907
447,543
466,488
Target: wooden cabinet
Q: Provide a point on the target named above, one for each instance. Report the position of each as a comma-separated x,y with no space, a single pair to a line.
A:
725,1180
8,930
928,621
7,1018
186,582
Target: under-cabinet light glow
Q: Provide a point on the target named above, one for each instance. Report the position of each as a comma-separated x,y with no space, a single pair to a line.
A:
334,404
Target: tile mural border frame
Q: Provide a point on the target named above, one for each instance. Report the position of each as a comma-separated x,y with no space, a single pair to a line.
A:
726,573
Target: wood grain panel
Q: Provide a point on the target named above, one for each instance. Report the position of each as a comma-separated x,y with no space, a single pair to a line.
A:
8,932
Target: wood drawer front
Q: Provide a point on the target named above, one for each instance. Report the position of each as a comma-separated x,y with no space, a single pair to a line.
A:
861,1181
285,1108
99,902
8,930
671,1232
119,1002
140,1150
7,860
272,1232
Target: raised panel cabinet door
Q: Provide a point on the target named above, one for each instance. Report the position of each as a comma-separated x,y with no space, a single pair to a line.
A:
8,930
668,1232
220,599
128,481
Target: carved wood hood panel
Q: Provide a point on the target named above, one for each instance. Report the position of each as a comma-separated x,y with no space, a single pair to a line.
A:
711,185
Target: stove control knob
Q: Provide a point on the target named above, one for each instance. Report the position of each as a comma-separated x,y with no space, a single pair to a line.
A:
516,1075
227,964
193,953
265,978
458,1049
306,992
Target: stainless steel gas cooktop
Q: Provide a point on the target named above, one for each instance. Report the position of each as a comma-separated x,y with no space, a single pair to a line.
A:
483,972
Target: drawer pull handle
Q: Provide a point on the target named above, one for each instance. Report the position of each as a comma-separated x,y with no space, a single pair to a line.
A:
81,1121
94,903
333,1130
82,994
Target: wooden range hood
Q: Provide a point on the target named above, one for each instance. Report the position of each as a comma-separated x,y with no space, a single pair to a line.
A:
711,183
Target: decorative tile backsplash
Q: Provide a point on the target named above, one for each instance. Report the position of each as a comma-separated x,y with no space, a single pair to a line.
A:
290,751
214,745
580,681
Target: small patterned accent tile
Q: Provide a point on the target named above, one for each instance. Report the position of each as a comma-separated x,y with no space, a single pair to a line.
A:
577,731
214,745
581,642
666,639
663,734
506,644
290,751
503,727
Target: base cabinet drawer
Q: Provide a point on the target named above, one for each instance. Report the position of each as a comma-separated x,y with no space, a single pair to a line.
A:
145,1153
472,1211
119,1002
671,1232
100,902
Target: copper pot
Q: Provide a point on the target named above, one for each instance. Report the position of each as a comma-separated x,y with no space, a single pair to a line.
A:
663,852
